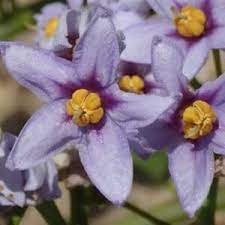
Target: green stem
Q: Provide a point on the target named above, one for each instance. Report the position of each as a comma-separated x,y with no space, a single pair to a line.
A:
217,61
50,213
16,216
207,213
14,6
195,83
78,211
144,214
2,10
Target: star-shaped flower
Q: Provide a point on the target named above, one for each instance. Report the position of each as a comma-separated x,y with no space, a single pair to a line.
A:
191,131
196,26
84,107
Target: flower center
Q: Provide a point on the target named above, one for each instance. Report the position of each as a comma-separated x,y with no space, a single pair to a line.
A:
134,84
51,26
190,21
198,120
85,107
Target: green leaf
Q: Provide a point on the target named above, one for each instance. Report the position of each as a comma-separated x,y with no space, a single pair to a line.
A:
50,213
78,209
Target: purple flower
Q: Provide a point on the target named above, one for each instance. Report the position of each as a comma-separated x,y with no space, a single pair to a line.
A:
58,27
196,26
28,186
84,108
192,129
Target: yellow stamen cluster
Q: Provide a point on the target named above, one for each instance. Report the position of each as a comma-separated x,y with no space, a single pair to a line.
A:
85,107
198,120
190,21
51,27
133,84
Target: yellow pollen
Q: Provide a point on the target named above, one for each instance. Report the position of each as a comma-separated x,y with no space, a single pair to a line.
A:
85,107
51,27
134,84
198,120
190,21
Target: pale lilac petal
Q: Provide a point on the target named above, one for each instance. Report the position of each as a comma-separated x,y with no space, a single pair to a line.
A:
139,144
218,142
45,134
125,19
162,7
167,63
218,17
138,39
107,161
135,111
97,53
50,188
73,24
216,39
85,18
139,6
100,10
43,179
40,71
196,58
75,4
53,9
60,39
49,11
158,135
35,177
11,182
213,92
44,43
220,116
196,3
7,140
216,3
192,171
6,202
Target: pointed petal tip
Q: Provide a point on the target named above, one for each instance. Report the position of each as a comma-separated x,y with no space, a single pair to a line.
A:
102,11
190,211
119,201
10,164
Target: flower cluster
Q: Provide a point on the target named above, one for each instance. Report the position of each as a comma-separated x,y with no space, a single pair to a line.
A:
114,78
